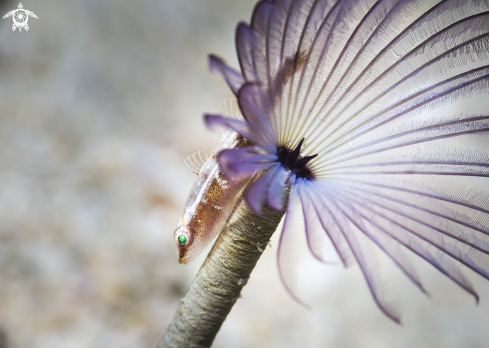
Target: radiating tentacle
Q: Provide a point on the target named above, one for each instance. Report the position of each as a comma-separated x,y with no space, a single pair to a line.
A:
242,127
465,84
411,135
430,251
287,257
452,242
435,56
385,52
320,9
441,53
321,40
388,245
314,232
245,41
375,28
324,51
365,261
258,192
276,192
244,162
363,26
232,77
440,212
255,109
328,224
478,201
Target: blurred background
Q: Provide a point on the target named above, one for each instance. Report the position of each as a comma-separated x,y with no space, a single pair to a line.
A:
100,103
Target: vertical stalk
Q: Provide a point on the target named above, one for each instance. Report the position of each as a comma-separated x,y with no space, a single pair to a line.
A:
219,281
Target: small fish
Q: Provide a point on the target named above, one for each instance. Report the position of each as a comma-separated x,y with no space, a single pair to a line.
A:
210,203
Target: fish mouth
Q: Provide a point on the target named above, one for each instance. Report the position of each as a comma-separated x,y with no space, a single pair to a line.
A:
185,255
182,257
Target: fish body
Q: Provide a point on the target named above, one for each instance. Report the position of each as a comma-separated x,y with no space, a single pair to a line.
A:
210,203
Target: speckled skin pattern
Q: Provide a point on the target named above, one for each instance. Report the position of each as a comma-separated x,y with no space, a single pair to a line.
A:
210,203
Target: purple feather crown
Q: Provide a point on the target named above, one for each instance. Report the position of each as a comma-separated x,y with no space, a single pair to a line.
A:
356,106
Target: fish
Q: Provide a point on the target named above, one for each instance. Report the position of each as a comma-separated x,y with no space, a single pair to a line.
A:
210,203
354,108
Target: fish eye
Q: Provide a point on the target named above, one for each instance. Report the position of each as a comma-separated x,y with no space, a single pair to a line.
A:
182,239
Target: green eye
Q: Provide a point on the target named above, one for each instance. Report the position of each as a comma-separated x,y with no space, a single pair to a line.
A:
182,239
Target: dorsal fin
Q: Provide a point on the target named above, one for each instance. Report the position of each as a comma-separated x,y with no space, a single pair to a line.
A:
196,161
229,108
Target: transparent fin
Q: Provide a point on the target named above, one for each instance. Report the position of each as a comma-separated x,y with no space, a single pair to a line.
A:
196,161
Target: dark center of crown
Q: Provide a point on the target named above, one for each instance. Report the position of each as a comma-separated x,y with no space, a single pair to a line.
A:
291,160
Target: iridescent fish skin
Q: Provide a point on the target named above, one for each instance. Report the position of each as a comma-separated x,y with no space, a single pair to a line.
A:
210,203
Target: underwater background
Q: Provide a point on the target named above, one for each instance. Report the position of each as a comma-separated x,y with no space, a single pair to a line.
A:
100,103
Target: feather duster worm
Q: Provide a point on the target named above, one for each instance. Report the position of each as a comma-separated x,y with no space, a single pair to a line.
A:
350,104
